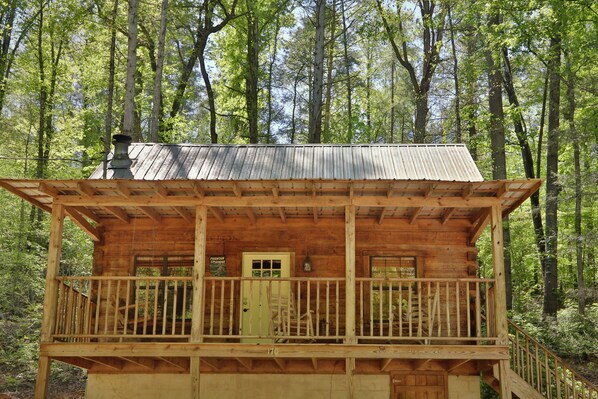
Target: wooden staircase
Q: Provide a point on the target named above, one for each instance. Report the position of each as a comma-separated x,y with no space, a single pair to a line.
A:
537,373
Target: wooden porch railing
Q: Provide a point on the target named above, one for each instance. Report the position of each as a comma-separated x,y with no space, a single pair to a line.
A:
274,309
424,309
122,307
544,371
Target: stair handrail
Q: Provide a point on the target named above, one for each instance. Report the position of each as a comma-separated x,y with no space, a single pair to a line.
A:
568,383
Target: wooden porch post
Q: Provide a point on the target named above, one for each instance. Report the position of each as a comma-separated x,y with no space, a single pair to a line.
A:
50,297
500,302
199,271
350,334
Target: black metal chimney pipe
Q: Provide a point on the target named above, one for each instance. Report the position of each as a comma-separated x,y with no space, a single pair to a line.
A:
121,159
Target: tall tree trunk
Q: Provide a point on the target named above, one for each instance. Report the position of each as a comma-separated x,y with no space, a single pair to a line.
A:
527,157
210,93
157,96
552,185
293,115
368,92
43,98
129,113
348,75
497,140
458,133
329,71
270,115
569,116
541,130
108,120
315,128
470,99
392,100
251,79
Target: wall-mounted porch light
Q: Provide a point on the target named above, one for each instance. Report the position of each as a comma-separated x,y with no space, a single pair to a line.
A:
307,265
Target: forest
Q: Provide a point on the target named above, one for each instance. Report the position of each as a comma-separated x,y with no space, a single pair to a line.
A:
517,81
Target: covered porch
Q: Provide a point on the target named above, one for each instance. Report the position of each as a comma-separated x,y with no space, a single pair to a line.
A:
442,317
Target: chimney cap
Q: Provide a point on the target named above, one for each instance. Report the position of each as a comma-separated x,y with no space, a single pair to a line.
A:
121,138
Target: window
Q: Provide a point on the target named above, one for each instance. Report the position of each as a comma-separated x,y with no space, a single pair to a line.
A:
389,291
158,293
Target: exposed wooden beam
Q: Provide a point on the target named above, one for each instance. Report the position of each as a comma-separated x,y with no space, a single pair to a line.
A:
384,363
430,190
80,221
48,189
314,363
151,213
119,213
247,363
185,214
123,190
419,363
502,190
448,214
251,215
391,190
161,190
283,201
467,192
281,363
217,213
382,215
237,190
214,364
283,216
351,190
315,214
24,196
144,362
275,191
88,213
415,215
110,362
198,190
178,362
479,227
454,364
78,361
86,189
285,351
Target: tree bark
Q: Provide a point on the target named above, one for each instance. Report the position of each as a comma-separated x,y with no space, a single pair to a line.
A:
251,78
348,75
550,304
527,157
392,100
315,128
157,95
329,71
569,116
270,115
108,120
497,140
129,112
458,132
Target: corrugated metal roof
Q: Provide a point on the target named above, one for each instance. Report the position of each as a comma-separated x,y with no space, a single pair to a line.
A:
442,162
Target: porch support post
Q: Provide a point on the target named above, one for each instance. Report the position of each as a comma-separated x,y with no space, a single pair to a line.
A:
50,297
350,331
199,271
500,303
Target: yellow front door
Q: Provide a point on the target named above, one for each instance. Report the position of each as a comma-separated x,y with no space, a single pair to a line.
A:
260,273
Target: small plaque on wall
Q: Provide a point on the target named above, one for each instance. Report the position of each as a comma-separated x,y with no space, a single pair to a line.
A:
218,266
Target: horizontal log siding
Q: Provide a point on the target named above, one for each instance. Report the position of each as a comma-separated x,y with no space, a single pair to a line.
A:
441,250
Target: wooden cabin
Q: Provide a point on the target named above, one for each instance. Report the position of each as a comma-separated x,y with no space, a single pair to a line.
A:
257,271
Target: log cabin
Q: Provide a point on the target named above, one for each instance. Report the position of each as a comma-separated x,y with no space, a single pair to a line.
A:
256,271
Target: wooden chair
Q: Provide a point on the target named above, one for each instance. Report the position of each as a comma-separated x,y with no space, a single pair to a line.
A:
285,322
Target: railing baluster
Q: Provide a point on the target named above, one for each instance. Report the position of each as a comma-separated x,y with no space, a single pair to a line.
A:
478,314
212,305
221,316
175,304
231,307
